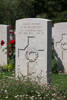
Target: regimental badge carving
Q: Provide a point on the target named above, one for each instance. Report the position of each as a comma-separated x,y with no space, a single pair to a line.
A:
31,55
63,43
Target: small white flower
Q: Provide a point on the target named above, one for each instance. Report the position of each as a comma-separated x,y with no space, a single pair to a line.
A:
5,91
20,96
1,89
32,98
38,95
53,99
6,97
54,94
16,96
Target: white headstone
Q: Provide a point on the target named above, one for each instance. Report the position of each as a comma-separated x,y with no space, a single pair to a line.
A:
3,38
59,32
33,49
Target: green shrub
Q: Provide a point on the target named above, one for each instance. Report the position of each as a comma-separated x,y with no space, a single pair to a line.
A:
55,67
1,68
5,67
10,66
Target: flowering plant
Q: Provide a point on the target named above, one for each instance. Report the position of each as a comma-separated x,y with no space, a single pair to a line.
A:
11,46
10,49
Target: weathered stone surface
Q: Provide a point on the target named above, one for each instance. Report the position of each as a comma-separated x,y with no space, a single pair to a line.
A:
33,49
59,32
3,50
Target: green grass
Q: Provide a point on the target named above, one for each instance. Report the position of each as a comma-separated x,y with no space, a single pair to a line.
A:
11,89
60,80
5,75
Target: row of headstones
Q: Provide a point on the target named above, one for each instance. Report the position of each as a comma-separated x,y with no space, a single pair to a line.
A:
33,47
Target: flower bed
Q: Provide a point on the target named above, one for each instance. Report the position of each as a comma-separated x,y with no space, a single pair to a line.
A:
10,51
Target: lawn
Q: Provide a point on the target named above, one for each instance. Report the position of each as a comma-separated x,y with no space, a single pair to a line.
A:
5,75
59,80
11,89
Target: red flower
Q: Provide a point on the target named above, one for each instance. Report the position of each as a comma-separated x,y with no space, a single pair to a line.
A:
11,42
11,32
2,42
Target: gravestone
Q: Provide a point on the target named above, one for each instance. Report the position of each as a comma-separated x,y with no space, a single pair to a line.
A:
33,49
59,32
3,44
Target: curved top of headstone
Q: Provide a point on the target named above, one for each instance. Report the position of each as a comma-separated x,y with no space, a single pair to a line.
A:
61,23
27,19
58,29
60,26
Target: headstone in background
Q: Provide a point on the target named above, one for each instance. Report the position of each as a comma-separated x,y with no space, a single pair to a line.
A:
59,32
4,37
33,49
